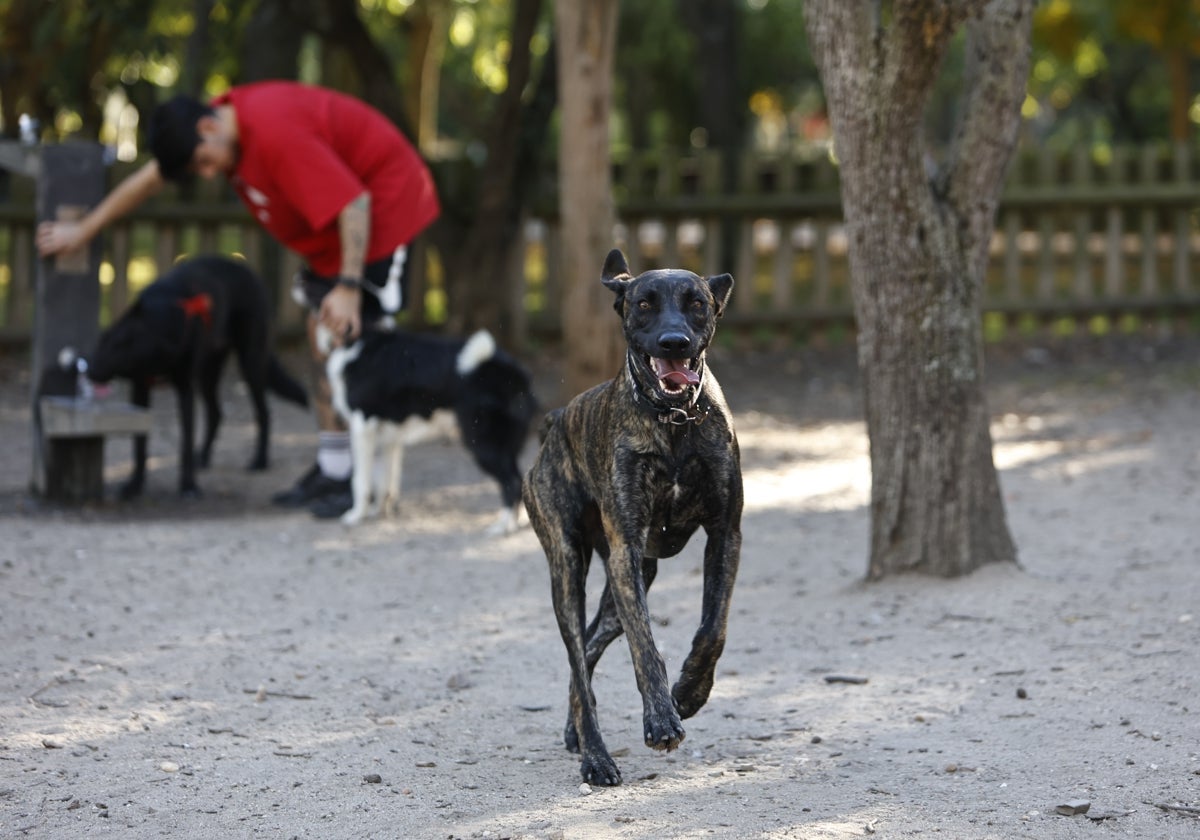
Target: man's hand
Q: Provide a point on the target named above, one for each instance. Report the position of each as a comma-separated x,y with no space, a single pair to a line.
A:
340,313
59,238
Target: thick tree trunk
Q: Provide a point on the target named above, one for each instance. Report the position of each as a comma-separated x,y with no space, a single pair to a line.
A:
586,44
918,252
478,270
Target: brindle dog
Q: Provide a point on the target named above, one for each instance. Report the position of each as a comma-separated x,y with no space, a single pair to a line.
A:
630,470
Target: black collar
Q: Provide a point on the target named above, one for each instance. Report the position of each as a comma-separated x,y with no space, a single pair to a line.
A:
669,415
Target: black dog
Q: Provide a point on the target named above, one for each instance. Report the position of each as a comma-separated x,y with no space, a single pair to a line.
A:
180,330
387,387
630,469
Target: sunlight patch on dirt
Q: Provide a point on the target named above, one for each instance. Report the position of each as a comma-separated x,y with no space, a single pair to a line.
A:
823,468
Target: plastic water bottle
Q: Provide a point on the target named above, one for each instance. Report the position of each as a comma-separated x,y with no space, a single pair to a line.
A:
83,386
70,360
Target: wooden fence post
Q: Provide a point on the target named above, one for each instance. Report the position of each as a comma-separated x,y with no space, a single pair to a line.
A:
68,433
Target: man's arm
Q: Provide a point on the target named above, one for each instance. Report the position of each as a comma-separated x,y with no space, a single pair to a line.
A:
340,310
55,237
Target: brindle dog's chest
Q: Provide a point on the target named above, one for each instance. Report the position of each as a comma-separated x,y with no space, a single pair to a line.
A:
680,484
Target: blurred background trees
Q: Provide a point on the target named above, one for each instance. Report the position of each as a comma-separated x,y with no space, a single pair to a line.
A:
723,74
474,83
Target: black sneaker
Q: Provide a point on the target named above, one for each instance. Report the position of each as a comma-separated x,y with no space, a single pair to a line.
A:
333,504
312,485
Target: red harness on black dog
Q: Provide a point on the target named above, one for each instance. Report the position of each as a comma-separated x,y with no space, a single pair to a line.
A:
198,306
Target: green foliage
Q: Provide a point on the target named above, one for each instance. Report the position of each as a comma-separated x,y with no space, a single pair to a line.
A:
1100,75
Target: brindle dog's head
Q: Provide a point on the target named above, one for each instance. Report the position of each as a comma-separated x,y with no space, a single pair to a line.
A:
669,316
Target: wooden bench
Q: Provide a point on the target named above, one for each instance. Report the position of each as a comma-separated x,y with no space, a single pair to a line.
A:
68,432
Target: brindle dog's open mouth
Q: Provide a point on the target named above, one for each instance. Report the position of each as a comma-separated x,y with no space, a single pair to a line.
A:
674,375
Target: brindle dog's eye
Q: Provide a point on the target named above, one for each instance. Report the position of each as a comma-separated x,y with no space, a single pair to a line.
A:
698,303
643,305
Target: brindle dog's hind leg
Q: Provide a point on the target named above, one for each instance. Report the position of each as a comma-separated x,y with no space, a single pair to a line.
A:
603,631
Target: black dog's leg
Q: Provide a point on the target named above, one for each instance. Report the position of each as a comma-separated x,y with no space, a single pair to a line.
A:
187,435
603,631
210,380
252,359
721,556
139,394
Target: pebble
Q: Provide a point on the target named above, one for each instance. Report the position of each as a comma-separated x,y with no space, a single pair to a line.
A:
585,789
169,767
1073,807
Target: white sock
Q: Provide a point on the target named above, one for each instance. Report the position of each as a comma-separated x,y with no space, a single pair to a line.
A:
333,455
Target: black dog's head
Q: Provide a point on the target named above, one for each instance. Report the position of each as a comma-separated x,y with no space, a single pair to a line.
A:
143,342
669,316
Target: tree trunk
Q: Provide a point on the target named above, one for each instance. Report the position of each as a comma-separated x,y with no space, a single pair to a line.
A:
478,270
715,24
426,24
1179,62
918,249
586,33
270,43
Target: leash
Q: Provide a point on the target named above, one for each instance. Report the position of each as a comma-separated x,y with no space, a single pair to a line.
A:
671,415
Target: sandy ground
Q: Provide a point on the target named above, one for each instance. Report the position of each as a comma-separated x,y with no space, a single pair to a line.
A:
220,668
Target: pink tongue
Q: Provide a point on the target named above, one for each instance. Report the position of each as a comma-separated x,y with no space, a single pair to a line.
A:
677,372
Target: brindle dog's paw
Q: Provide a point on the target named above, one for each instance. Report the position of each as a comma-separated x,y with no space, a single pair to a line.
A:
129,490
257,463
690,696
663,731
571,737
600,770
190,492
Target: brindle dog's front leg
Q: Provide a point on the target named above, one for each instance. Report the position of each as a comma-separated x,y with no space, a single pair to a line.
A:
604,629
568,574
721,557
661,727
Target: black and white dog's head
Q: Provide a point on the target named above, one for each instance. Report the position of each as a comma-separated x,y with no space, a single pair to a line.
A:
669,318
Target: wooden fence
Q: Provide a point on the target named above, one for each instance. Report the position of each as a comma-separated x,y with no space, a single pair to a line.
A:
1082,242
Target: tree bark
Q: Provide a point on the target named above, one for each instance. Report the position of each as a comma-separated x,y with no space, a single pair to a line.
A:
586,31
918,247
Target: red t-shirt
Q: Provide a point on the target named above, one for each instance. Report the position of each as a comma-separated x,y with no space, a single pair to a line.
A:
306,152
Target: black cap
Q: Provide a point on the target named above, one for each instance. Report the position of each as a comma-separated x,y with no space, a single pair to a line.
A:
173,136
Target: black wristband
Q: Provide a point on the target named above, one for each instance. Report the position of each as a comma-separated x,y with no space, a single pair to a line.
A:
352,282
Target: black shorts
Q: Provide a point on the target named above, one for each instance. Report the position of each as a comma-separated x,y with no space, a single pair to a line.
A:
310,288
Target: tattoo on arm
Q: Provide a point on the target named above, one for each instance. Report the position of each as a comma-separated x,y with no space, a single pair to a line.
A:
354,226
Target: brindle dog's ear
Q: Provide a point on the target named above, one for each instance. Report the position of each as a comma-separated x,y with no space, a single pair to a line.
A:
721,286
615,276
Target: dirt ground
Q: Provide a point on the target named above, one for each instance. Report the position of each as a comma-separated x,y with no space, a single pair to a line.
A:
222,668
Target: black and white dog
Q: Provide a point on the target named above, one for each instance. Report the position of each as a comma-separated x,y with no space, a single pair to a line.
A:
388,386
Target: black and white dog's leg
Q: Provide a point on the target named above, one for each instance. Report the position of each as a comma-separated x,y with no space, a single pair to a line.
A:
392,442
363,432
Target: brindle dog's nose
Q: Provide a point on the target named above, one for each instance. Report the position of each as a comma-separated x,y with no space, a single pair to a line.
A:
674,342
